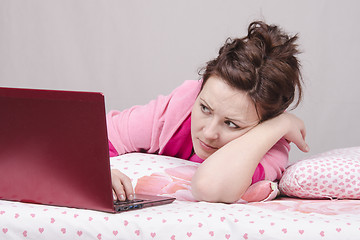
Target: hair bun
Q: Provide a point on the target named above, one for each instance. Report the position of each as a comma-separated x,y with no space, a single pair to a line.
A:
263,64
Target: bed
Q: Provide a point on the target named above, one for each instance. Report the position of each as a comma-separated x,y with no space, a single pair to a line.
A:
300,214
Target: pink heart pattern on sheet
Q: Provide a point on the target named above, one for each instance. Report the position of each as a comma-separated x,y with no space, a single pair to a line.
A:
334,174
288,219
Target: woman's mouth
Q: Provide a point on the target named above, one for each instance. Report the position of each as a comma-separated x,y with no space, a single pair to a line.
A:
207,147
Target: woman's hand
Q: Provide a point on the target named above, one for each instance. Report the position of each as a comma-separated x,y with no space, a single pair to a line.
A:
122,186
296,131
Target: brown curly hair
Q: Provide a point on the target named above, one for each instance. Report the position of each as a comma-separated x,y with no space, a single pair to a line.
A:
264,65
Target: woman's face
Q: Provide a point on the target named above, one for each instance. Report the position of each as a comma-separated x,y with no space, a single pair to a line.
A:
220,114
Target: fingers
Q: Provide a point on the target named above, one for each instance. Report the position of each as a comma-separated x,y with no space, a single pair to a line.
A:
298,133
129,192
303,146
301,143
122,186
118,189
303,132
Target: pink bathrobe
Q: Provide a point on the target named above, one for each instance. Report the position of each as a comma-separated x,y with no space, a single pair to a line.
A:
149,128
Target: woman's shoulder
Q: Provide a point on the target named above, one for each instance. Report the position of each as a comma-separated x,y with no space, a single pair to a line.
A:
187,91
181,100
190,85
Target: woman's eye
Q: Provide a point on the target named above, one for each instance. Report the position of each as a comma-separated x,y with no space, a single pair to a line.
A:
231,124
204,109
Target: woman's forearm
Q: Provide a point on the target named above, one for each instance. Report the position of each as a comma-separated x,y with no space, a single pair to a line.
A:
226,174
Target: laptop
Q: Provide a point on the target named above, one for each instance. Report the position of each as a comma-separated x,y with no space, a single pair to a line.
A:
54,151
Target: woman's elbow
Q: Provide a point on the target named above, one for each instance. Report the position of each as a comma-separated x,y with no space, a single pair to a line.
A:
202,190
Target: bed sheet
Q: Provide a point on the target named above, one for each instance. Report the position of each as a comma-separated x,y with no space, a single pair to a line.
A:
283,218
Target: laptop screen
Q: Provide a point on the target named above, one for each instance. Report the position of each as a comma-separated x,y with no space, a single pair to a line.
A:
54,148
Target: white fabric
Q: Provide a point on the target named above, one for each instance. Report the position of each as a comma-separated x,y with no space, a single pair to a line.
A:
284,218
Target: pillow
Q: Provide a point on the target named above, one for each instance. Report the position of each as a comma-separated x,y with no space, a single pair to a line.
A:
169,176
333,174
157,174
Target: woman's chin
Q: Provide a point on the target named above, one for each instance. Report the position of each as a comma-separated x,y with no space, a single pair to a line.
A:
201,154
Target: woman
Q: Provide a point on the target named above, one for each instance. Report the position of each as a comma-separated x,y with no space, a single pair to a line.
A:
233,121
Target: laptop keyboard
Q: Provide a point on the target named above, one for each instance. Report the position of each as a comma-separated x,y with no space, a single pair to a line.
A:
117,202
128,204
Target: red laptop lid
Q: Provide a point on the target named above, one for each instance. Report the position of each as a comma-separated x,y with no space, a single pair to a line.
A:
54,148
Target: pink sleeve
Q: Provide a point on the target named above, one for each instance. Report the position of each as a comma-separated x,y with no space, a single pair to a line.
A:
136,129
147,128
112,150
276,160
259,174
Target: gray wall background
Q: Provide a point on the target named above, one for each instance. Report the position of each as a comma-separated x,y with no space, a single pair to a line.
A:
133,51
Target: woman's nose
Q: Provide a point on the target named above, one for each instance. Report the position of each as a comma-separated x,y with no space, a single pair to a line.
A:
211,130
